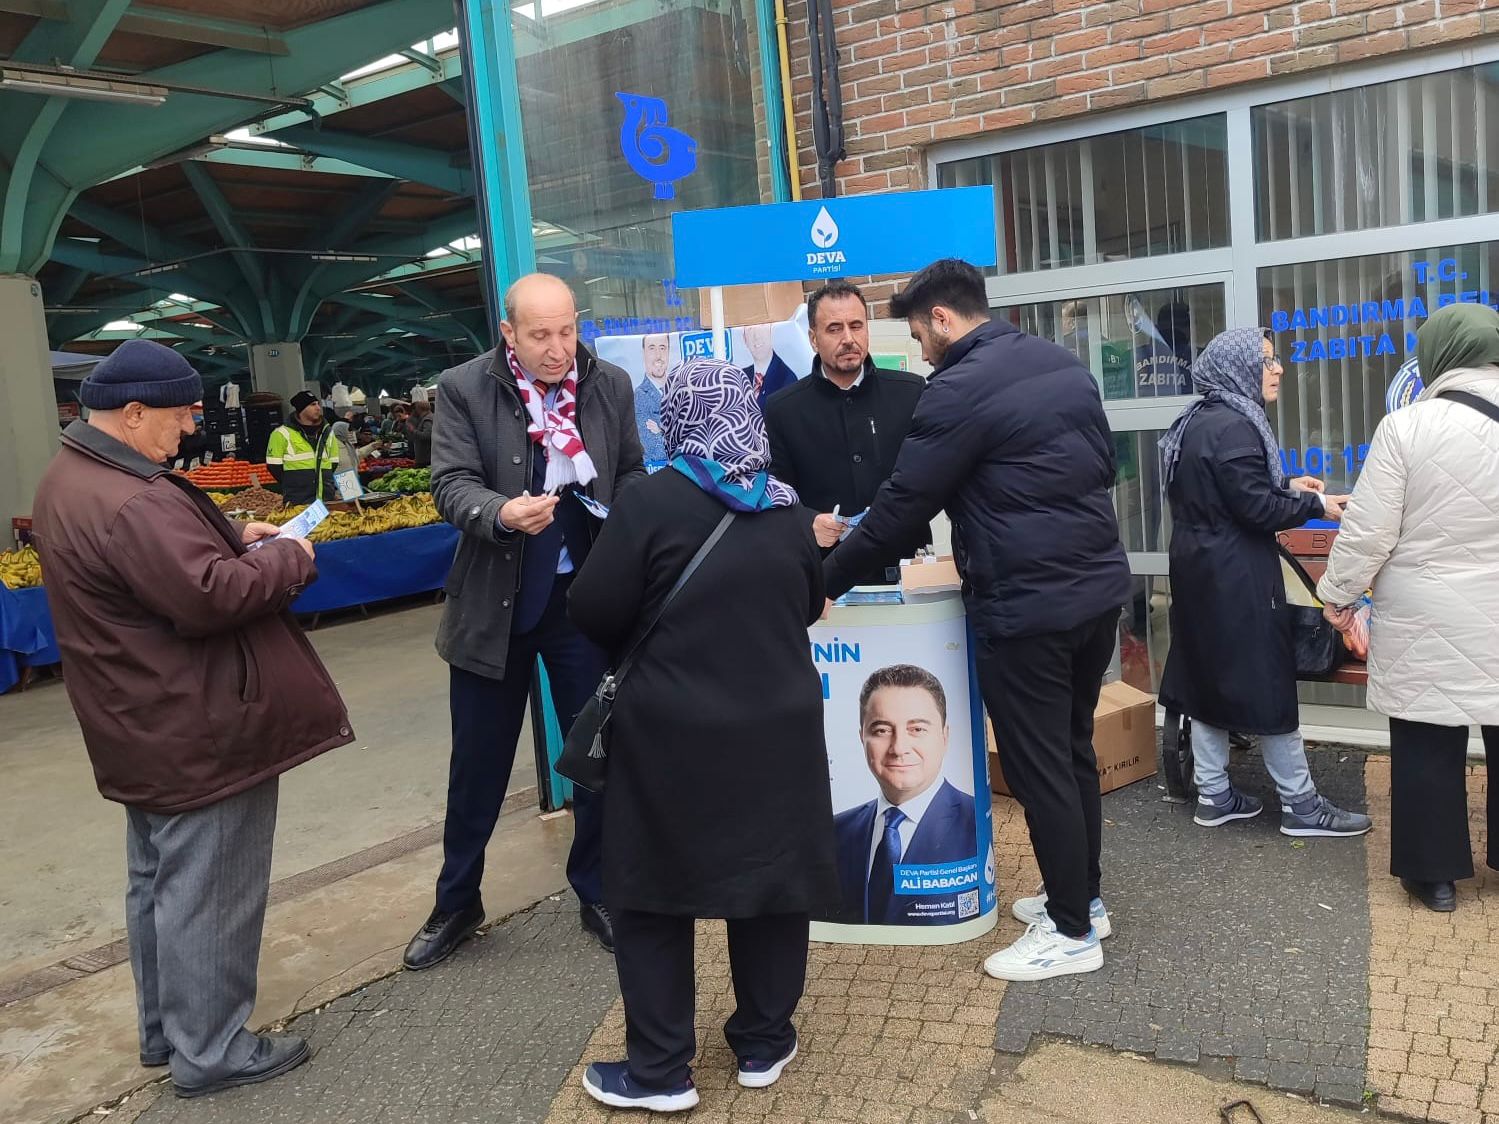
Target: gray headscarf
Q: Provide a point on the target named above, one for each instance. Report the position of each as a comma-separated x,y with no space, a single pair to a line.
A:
1231,370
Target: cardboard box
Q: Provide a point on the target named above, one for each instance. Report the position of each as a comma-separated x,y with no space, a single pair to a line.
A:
756,304
1124,739
940,576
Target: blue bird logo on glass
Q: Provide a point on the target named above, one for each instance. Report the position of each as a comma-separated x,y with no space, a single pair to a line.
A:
655,151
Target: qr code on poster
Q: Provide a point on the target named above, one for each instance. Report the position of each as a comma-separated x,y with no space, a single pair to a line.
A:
968,904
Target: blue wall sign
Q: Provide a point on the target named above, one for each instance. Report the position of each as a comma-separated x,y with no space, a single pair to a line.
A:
849,237
655,152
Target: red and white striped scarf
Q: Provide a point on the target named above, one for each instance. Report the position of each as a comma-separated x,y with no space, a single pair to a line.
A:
555,427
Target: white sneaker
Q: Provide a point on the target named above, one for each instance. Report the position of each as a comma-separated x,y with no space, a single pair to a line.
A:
1042,953
1031,910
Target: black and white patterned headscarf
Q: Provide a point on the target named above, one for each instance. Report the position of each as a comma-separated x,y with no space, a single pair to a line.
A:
715,436
1231,370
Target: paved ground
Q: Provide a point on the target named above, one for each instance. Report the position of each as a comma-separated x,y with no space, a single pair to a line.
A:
1234,943
1249,961
1434,985
486,1038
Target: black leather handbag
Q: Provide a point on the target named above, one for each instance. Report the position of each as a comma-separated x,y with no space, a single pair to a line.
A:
1319,646
585,754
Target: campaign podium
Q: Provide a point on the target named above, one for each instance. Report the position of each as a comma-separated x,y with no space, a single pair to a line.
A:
904,720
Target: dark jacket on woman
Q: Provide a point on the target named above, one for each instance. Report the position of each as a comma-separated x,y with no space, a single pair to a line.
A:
836,447
191,679
481,458
719,803
1232,662
1011,438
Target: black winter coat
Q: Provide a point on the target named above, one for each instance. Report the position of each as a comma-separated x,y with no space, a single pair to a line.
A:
1232,662
718,803
1010,437
836,447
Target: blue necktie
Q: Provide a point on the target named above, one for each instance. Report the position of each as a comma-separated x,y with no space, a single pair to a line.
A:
880,893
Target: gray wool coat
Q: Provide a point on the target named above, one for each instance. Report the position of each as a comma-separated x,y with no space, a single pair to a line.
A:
481,459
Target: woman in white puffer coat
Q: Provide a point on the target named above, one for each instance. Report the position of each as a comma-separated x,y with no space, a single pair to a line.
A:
1422,531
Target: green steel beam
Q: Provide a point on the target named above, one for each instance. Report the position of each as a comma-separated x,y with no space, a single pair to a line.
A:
61,154
404,161
209,275
209,31
228,225
76,41
497,141
279,159
365,90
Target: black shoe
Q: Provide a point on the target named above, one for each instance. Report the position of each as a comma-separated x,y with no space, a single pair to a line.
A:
442,933
273,1057
156,1061
1439,897
596,920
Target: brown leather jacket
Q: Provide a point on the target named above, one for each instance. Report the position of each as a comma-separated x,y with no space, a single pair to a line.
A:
190,677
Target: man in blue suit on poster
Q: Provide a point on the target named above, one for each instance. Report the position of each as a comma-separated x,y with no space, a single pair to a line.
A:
918,819
655,353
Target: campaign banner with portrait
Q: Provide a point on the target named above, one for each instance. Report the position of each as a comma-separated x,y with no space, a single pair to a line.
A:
773,356
909,775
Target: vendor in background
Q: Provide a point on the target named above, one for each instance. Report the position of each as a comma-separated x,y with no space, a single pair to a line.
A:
303,454
394,425
350,451
834,434
419,433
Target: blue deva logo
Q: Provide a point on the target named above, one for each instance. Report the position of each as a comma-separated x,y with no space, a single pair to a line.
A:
655,151
817,239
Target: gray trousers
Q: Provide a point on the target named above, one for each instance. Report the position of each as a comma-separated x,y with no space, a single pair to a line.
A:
194,910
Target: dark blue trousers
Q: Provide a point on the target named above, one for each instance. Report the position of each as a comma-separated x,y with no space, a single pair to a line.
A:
487,715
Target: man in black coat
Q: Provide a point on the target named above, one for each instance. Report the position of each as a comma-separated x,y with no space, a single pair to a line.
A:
521,432
1011,439
835,433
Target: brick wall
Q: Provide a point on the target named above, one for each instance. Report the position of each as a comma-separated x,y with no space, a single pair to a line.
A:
915,72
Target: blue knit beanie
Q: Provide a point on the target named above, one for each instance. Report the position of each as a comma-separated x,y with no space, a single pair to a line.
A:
141,371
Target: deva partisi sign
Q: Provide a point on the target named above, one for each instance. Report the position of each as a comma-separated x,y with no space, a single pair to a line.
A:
850,237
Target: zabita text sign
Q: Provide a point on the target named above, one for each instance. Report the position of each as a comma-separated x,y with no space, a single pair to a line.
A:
850,237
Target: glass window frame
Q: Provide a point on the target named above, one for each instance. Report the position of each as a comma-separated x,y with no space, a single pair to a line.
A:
1239,263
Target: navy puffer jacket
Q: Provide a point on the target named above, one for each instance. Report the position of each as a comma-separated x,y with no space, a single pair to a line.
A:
1011,439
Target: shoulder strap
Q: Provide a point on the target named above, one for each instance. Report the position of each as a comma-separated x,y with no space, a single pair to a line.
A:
1482,405
697,560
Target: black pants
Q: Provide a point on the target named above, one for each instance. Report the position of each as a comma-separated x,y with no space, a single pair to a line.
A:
487,716
1429,839
653,953
1041,692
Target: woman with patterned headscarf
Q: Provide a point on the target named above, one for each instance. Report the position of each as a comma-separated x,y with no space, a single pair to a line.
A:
718,787
1232,664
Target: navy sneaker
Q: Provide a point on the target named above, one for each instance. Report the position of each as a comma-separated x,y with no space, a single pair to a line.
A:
1325,819
755,1074
610,1083
1238,806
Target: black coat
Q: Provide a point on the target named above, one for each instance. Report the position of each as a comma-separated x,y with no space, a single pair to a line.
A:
718,803
837,447
1010,437
1232,662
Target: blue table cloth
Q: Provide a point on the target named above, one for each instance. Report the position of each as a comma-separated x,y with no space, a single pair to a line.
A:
370,568
358,571
26,636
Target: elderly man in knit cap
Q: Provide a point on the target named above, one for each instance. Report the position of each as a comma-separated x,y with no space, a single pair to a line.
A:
195,689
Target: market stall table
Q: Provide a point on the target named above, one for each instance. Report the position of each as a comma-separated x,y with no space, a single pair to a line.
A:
356,571
26,636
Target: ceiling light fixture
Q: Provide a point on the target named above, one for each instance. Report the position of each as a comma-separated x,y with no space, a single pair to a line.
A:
75,86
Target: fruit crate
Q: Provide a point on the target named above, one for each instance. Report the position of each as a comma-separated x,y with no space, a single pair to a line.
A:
20,529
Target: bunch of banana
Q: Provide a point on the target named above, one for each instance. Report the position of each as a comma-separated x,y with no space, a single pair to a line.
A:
410,511
20,569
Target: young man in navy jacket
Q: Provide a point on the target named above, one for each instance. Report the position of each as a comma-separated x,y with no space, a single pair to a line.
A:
1010,438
